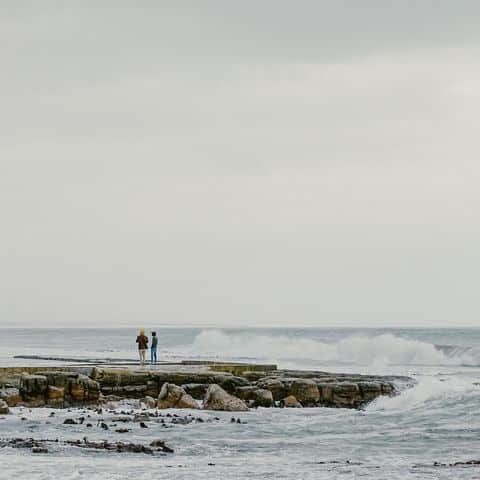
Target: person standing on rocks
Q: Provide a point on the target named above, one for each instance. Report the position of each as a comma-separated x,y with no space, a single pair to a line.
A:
142,341
153,348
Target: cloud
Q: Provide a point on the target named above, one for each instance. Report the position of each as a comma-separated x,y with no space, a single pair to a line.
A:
239,164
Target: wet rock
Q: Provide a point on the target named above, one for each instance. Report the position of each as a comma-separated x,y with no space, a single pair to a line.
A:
69,421
58,389
33,389
260,397
39,450
218,399
326,393
4,409
169,395
275,385
56,396
160,444
387,389
305,391
115,447
346,395
11,396
311,388
370,390
150,402
119,377
290,402
173,396
254,376
196,390
141,417
230,383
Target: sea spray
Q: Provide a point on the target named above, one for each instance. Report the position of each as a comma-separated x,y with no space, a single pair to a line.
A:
381,350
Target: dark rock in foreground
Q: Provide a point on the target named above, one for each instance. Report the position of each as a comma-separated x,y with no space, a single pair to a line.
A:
40,446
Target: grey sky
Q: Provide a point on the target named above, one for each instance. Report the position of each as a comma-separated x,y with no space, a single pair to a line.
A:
239,163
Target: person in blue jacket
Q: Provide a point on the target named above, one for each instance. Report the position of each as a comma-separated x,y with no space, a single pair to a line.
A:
153,348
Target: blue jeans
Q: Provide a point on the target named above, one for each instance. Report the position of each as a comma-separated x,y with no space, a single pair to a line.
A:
153,354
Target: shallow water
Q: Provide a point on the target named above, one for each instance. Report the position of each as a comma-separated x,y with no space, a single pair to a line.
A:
395,438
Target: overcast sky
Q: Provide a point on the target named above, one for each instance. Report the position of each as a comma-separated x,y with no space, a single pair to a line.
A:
240,163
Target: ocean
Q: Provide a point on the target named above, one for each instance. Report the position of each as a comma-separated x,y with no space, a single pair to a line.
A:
438,420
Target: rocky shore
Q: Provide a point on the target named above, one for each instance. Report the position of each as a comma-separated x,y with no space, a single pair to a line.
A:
225,387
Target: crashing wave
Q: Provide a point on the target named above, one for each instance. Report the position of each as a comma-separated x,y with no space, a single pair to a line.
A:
385,349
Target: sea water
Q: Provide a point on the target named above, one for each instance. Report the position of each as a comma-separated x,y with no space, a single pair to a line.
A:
438,420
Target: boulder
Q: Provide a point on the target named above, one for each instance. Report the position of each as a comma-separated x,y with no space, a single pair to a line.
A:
260,397
4,407
150,402
275,385
305,391
186,401
173,396
169,395
11,396
291,402
196,390
217,398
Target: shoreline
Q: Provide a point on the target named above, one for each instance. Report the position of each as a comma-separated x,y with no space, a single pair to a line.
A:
191,384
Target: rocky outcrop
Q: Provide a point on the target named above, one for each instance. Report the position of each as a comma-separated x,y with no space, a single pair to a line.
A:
318,389
138,384
217,398
58,389
178,389
172,396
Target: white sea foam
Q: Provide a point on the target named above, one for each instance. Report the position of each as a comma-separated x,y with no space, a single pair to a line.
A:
380,350
425,392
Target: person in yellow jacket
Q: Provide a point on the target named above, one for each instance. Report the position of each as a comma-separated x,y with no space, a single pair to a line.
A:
142,341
